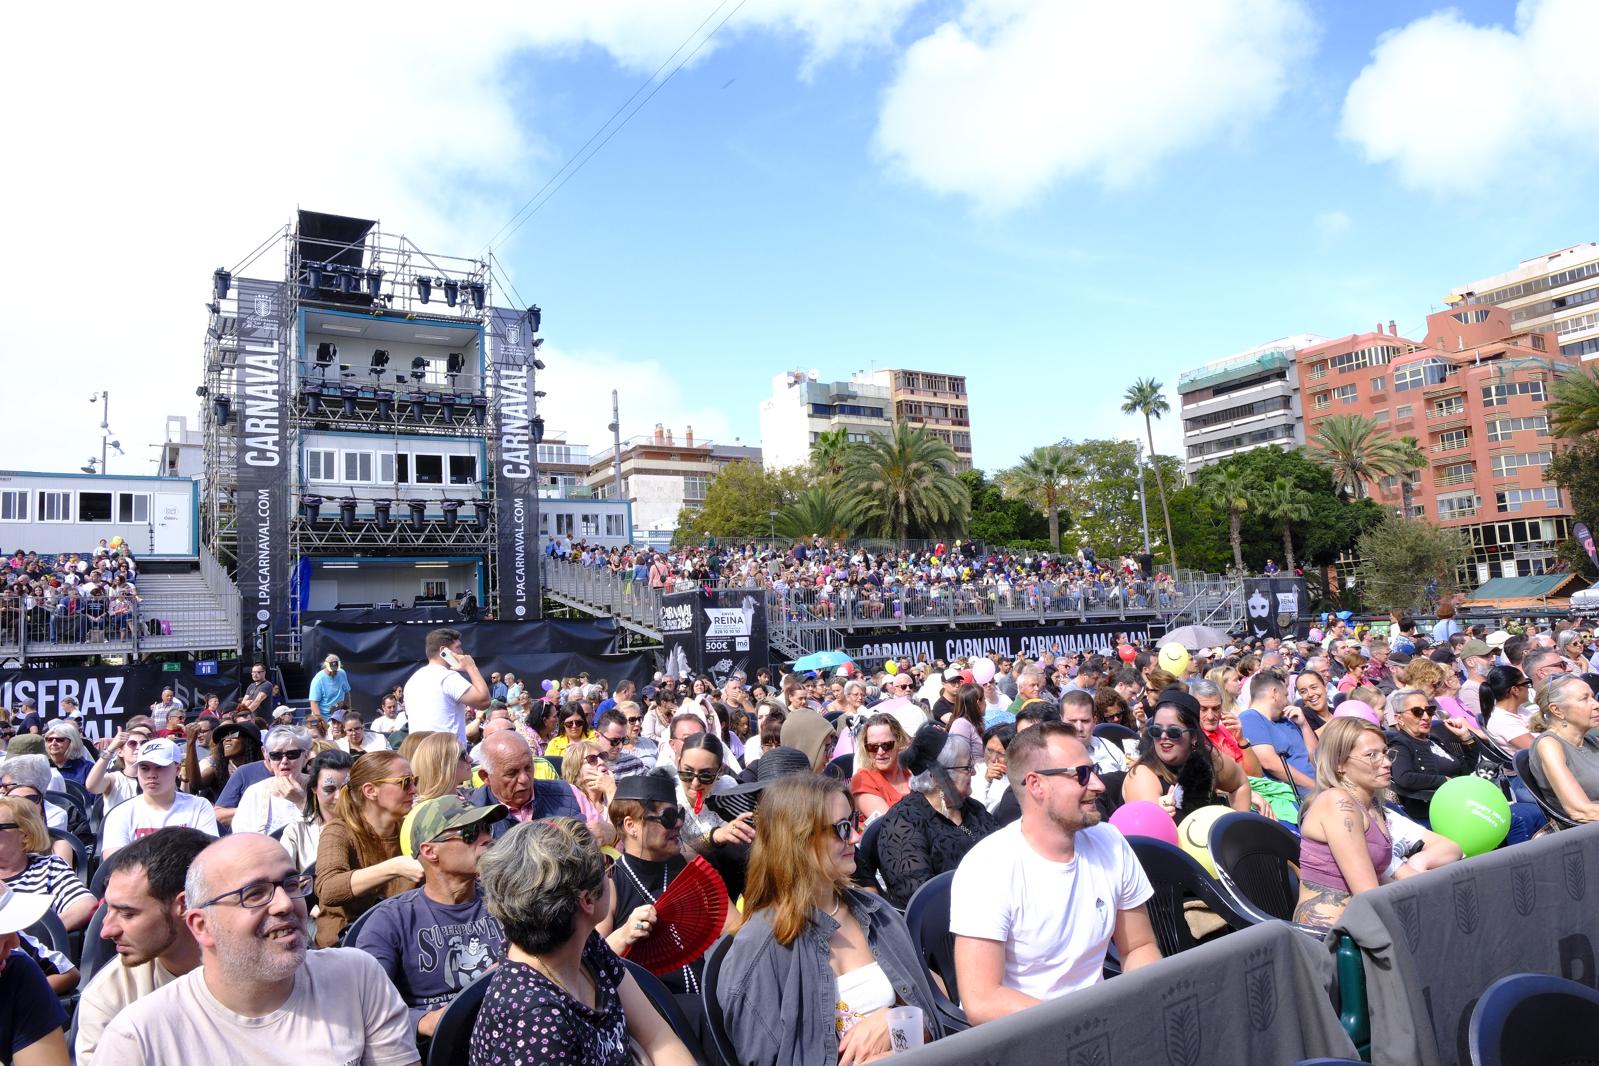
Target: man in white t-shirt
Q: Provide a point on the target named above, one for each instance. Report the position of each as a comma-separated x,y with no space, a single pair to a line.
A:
1035,905
437,696
258,986
390,718
159,805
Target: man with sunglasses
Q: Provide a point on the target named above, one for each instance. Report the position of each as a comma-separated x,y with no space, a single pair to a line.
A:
1035,905
435,940
612,736
260,995
159,803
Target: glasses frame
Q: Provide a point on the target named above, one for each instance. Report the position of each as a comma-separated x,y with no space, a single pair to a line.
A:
843,829
300,881
1083,773
661,818
278,756
406,783
879,748
704,777
1164,732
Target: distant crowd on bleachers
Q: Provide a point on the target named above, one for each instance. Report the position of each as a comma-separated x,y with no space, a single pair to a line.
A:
70,598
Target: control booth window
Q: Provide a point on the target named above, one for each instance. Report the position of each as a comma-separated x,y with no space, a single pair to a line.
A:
429,469
94,507
463,470
133,507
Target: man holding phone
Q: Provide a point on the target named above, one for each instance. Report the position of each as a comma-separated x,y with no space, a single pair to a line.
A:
437,696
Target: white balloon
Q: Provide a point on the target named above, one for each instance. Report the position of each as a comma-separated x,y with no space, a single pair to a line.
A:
983,670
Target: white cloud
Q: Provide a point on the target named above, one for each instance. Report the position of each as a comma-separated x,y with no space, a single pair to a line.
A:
1330,225
1457,107
579,384
149,146
1015,95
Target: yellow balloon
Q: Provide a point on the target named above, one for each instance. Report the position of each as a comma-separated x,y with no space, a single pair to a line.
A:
891,667
1173,659
1194,834
116,542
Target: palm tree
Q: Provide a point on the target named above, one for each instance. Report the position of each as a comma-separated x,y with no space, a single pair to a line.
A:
1144,397
1041,479
1284,501
1229,488
1574,403
1355,449
907,478
830,452
820,510
1409,457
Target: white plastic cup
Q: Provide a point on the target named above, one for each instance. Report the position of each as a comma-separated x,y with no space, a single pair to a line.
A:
904,1028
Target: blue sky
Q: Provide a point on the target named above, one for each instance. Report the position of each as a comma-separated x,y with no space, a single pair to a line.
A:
964,185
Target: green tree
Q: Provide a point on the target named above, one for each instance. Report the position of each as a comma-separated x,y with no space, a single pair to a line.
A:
1576,471
1400,558
823,510
740,502
1042,478
1104,500
1001,521
1408,458
1574,403
1230,491
1285,502
1144,397
1356,449
907,482
830,453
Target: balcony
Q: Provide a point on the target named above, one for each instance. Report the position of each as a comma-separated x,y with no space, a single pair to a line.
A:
1449,385
1453,445
1455,479
1459,512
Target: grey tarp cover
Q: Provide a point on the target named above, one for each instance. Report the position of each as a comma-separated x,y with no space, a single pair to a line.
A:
1431,944
1258,997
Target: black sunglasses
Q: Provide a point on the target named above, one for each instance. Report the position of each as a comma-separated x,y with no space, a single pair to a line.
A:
669,818
704,777
881,749
468,833
1170,732
614,742
1083,773
287,753
844,828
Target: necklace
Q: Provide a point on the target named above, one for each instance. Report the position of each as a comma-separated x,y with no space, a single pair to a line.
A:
1373,810
550,975
834,912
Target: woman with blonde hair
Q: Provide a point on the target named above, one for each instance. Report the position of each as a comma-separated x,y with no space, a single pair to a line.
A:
27,864
807,927
1231,684
586,769
1565,756
358,858
440,764
879,781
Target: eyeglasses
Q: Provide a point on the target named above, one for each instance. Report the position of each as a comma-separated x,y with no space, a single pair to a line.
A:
577,723
258,894
467,834
286,755
8,825
963,768
134,742
881,749
844,829
55,740
1170,732
1083,773
614,742
993,755
704,777
666,819
1418,712
593,758
16,790
1375,757
406,783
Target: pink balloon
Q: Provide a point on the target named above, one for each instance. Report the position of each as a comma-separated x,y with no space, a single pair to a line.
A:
1356,709
982,670
1141,818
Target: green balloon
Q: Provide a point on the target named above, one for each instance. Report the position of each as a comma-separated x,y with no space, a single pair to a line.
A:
1472,812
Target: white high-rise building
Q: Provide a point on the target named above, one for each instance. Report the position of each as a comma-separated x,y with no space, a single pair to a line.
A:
802,407
1558,291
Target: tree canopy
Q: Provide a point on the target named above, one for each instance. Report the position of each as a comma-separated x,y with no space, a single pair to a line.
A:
1409,564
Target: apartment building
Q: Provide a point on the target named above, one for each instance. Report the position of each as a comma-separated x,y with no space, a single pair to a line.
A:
1241,402
1557,292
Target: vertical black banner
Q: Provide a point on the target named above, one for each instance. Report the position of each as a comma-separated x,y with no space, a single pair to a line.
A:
261,502
515,467
715,632
1272,605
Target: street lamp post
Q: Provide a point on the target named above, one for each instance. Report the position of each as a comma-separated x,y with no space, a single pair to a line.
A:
1143,506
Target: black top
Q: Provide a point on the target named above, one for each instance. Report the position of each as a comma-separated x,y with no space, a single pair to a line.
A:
639,883
917,843
526,1017
1421,766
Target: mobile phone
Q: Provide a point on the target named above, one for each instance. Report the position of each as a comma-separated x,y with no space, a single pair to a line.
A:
449,658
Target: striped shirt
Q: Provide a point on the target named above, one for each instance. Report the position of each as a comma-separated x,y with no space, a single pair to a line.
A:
47,875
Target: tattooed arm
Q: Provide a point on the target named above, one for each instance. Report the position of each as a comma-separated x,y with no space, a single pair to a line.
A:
1344,824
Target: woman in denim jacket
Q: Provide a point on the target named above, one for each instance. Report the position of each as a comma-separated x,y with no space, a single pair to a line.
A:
811,975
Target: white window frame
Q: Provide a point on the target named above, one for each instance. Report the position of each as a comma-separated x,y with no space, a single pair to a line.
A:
385,468
59,496
135,498
10,499
359,477
326,458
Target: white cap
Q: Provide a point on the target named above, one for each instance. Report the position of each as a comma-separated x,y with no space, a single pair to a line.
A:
158,752
1497,638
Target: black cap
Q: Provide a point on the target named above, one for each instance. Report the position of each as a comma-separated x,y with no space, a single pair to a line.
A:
1176,697
655,787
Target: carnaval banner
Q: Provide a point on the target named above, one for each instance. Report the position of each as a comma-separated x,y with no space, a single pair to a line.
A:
715,632
261,502
1011,642
515,467
1585,538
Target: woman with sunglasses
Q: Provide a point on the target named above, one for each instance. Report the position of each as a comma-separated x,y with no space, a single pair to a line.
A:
326,774
27,865
936,824
574,727
235,758
269,805
1504,696
807,927
879,781
358,859
112,777
585,768
1179,768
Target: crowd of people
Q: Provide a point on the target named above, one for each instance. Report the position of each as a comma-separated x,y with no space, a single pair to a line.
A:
838,580
70,598
325,900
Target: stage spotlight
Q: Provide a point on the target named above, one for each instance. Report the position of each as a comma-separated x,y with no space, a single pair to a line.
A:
447,404
374,283
385,400
539,395
347,512
424,288
224,408
485,511
221,282
348,281
475,288
535,317
419,513
380,360
480,409
419,368
413,406
327,353
454,363
88,468
537,429
380,513
313,275
452,291
312,506
348,393
313,400
451,510
538,364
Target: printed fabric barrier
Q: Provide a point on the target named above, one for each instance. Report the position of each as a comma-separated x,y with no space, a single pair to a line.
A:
1257,997
107,695
1010,642
1432,944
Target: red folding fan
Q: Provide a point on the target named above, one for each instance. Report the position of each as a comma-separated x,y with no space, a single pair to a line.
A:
688,918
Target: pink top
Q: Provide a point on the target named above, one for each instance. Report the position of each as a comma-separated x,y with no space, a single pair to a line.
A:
1317,865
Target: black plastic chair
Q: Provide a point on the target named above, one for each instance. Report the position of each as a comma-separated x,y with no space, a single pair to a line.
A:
927,917
452,1039
1176,878
666,1005
1254,859
1534,1019
1550,805
80,854
347,938
1115,732
866,858
97,951
102,874
67,799
842,768
715,1020
49,930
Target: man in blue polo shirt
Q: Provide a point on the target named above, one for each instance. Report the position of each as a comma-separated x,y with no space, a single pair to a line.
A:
1278,732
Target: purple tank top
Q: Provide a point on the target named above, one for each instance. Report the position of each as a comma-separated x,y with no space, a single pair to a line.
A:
1316,863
